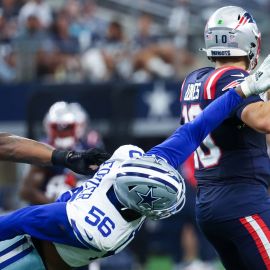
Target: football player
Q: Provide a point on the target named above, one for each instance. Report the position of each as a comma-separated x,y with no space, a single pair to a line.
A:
232,166
103,215
66,126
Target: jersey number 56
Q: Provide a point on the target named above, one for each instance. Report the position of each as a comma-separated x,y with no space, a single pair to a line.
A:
97,218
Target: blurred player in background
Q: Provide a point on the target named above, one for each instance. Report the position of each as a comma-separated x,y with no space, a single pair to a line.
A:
67,128
103,215
232,166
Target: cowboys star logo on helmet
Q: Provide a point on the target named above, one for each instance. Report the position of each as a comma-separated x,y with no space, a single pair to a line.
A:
148,198
150,186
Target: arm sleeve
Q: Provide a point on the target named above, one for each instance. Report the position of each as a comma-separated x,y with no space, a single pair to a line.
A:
45,222
187,138
247,101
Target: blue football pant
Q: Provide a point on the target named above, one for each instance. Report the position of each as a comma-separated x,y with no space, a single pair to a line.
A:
242,244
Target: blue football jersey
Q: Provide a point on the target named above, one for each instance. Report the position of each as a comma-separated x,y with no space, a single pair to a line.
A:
233,155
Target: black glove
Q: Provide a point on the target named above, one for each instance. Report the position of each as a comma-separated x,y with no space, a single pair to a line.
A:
79,162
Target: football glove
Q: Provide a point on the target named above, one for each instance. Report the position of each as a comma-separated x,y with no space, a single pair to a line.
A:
259,82
79,162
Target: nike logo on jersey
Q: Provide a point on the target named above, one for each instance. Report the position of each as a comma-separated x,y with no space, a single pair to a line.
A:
90,237
241,75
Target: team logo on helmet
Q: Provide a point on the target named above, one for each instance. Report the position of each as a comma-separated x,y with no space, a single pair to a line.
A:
150,186
245,18
148,198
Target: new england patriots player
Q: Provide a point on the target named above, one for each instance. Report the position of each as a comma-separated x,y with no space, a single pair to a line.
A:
66,128
102,216
232,165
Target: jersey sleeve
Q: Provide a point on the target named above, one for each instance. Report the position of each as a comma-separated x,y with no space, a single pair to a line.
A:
45,222
222,80
188,137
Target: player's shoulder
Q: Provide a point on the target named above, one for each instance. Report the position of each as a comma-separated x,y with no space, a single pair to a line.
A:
198,74
127,151
222,79
197,77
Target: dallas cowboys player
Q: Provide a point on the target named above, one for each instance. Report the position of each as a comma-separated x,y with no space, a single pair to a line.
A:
232,166
103,215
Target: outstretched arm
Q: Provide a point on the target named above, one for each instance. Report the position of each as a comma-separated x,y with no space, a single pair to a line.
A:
187,138
20,149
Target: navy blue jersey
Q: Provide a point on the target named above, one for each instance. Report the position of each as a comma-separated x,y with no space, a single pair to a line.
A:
233,154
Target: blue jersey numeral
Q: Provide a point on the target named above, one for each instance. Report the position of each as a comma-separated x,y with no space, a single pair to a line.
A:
135,153
97,218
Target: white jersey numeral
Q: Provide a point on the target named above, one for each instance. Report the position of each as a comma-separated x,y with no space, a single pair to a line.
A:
211,153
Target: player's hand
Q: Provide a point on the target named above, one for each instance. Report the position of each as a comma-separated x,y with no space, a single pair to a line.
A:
259,82
80,162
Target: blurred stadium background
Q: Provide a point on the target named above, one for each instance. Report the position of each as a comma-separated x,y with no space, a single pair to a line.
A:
124,62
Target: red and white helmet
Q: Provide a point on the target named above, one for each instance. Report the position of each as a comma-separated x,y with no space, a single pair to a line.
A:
60,126
232,31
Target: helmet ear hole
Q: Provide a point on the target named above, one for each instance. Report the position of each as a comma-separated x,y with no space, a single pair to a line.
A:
150,186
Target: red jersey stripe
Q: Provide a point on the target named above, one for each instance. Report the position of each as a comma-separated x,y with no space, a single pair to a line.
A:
210,85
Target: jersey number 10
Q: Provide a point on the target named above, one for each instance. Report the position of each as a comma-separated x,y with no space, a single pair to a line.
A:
208,154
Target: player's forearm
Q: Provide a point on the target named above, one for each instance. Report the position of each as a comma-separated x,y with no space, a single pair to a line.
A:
19,149
187,138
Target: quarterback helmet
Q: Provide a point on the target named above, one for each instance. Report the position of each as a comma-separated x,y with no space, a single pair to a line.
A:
231,31
60,126
150,186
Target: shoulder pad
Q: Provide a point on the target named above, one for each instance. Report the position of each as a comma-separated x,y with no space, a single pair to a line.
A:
194,76
223,79
127,151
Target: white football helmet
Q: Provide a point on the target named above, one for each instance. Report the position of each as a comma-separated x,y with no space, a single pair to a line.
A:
231,31
60,126
150,186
